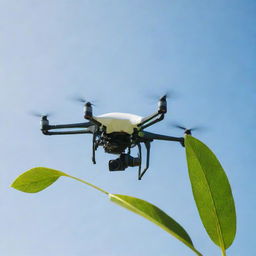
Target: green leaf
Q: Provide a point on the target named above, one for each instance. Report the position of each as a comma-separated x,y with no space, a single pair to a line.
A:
155,215
212,193
36,179
40,178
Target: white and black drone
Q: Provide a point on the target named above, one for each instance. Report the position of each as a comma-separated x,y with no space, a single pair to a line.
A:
117,133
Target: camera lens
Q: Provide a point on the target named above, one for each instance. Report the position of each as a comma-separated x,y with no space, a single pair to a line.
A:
114,165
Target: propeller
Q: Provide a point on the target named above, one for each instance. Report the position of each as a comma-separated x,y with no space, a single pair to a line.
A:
188,130
37,114
167,94
82,100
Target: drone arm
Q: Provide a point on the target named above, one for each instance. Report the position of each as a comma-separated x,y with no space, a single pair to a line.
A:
46,132
76,125
155,136
147,119
161,117
92,120
156,117
45,127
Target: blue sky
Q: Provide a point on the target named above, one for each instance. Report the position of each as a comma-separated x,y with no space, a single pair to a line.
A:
118,52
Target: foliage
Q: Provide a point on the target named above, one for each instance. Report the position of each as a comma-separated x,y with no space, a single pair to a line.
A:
210,186
39,178
212,193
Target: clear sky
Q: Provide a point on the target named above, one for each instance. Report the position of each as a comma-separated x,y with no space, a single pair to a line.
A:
119,52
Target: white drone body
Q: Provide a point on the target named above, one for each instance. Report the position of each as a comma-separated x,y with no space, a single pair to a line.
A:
119,122
117,133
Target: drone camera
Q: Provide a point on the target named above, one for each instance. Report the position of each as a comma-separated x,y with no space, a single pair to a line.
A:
121,163
115,165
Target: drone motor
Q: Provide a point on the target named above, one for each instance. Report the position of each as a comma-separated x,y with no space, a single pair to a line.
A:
88,110
162,105
44,122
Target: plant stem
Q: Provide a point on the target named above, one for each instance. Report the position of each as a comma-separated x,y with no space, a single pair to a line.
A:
223,252
89,184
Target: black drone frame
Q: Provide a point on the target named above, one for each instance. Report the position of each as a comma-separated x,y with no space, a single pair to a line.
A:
95,128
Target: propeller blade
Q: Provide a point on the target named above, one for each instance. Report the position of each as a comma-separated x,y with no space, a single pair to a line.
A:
37,114
188,130
82,100
168,94
179,127
78,99
198,128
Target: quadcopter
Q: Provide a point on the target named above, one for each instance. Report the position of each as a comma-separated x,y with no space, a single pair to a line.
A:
117,133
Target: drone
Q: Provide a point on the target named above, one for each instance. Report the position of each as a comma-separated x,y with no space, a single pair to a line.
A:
117,133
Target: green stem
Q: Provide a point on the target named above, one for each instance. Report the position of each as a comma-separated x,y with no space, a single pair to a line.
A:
107,193
89,184
223,252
